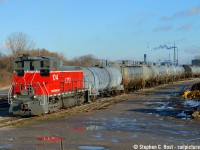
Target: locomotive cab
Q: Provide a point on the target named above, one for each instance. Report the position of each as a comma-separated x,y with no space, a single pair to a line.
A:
33,63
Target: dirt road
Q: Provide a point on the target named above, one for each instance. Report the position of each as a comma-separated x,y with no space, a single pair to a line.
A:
155,118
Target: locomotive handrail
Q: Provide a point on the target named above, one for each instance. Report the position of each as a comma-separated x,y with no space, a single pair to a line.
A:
43,94
89,85
33,77
46,90
10,94
94,79
24,80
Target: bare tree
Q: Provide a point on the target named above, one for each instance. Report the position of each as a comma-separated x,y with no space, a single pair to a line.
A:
17,42
86,60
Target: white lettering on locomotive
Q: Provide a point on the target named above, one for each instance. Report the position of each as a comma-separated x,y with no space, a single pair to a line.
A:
67,80
55,77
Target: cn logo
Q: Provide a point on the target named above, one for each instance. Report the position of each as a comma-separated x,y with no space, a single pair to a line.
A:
55,77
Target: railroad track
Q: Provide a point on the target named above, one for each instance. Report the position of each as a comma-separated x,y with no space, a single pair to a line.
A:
3,101
4,104
97,105
11,121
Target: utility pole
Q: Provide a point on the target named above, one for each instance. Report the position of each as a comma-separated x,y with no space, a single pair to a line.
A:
174,54
177,56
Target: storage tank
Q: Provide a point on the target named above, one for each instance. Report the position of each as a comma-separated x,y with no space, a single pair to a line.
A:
195,70
163,73
147,73
171,71
155,71
115,76
132,75
180,71
95,79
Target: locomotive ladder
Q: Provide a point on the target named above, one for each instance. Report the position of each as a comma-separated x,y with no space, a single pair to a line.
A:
45,98
10,94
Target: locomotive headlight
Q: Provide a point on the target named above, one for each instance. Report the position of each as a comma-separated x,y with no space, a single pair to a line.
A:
15,96
34,96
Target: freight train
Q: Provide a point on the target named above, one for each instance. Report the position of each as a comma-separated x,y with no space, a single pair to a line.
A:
43,85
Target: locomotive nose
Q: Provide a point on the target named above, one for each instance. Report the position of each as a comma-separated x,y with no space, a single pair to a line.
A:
28,91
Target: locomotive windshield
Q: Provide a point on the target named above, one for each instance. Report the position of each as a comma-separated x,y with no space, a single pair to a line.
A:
19,68
19,64
32,65
44,65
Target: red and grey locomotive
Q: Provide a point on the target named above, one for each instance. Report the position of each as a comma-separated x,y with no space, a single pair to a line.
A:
41,85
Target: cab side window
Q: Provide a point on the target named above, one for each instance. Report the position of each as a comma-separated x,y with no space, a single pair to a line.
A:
19,68
54,64
32,65
19,64
44,64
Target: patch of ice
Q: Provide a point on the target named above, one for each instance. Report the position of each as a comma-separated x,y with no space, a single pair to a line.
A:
182,114
192,103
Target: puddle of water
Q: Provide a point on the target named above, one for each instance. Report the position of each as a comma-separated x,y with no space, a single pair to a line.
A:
160,108
178,108
196,139
6,146
174,94
182,114
134,136
114,140
11,139
92,148
78,129
93,128
50,139
170,107
168,97
191,103
98,136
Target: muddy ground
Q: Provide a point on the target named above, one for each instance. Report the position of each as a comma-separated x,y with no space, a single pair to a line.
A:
155,118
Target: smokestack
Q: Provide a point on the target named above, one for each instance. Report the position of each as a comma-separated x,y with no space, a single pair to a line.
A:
145,58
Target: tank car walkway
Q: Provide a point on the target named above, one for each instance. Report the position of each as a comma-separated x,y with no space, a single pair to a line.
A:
155,118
